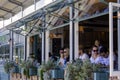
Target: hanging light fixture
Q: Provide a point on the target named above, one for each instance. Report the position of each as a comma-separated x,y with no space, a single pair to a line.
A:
31,39
82,29
51,35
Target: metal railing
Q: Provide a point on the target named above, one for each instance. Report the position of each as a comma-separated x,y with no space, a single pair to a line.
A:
3,74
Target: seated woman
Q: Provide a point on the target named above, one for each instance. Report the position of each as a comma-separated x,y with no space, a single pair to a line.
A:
95,58
82,55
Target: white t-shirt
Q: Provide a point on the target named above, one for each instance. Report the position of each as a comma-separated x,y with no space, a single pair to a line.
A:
84,56
106,61
62,61
95,61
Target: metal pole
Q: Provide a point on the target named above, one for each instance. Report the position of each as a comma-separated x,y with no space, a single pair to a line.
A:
76,35
28,46
35,5
43,46
47,42
43,39
118,38
111,37
25,47
11,18
11,45
21,11
71,33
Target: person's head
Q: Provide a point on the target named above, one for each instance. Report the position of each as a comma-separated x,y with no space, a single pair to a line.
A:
81,50
61,53
103,51
97,42
94,50
66,52
16,60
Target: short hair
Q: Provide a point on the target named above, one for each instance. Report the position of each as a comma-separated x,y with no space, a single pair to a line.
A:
81,48
103,49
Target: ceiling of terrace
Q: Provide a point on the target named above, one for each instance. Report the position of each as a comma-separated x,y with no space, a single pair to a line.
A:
58,14
12,7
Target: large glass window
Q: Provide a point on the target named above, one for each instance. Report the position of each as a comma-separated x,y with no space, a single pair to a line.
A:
18,47
19,52
4,46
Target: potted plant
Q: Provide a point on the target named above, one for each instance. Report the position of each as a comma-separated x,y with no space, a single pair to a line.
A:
57,72
24,68
101,73
16,69
32,68
8,66
45,70
84,70
72,70
11,66
40,73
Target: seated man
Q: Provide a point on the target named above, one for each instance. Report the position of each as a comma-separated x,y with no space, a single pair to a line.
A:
104,56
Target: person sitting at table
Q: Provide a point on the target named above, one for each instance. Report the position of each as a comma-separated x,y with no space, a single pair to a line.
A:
95,58
82,55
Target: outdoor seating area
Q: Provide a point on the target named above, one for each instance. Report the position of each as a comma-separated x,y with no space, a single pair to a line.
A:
59,40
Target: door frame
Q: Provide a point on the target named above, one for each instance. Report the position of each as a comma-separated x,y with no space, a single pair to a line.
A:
112,72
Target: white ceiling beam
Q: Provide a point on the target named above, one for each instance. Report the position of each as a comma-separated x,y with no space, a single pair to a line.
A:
16,2
54,19
6,10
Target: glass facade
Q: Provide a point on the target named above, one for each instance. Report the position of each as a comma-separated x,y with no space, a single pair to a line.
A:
4,46
18,47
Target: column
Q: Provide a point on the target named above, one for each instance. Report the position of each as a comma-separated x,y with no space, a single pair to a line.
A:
21,11
11,42
118,39
76,32
71,32
43,46
47,38
11,17
25,47
43,39
27,42
111,38
62,38
19,55
35,5
47,45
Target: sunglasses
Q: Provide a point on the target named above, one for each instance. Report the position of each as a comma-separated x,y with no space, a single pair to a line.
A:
65,51
95,50
61,51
